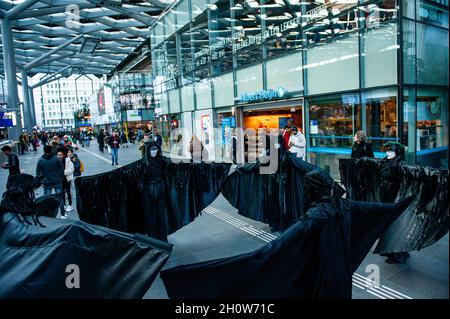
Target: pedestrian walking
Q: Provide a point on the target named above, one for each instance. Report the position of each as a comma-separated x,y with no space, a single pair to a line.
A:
114,144
13,162
68,176
50,172
297,142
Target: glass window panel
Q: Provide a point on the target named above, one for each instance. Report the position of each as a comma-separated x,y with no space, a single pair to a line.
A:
220,38
187,98
333,66
283,20
164,105
334,121
203,94
247,43
223,90
286,72
380,116
409,124
198,7
379,47
200,45
432,13
249,79
409,51
432,127
159,32
187,56
432,55
183,14
174,101
170,23
409,8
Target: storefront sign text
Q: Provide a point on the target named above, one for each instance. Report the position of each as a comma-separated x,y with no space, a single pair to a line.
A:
263,95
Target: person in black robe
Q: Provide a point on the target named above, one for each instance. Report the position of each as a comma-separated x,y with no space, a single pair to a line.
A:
154,192
314,258
101,140
47,258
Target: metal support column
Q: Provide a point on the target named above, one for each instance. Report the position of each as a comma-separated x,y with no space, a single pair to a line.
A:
11,80
27,118
33,108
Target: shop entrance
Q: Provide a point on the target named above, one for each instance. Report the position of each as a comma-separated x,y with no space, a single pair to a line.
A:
265,120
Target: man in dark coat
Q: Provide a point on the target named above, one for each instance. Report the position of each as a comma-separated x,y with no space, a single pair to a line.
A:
50,172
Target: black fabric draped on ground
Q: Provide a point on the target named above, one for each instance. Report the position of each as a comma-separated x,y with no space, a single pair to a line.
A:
278,199
424,222
111,264
19,198
118,199
314,258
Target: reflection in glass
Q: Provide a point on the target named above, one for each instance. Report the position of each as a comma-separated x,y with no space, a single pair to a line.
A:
432,127
334,120
381,116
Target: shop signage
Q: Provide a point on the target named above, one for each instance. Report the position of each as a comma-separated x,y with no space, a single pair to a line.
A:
133,115
264,95
314,127
7,119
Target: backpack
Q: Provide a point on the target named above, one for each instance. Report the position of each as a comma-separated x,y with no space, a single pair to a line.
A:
81,166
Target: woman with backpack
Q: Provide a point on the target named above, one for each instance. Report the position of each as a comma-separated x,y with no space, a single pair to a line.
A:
78,165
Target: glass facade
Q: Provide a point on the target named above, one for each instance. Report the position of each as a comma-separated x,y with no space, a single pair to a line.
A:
378,65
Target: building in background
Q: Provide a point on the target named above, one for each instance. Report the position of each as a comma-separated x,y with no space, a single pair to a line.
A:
56,102
334,67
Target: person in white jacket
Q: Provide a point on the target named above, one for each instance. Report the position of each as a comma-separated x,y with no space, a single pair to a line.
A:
297,143
68,178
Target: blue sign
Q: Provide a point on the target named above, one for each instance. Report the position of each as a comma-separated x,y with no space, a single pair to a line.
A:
264,95
6,120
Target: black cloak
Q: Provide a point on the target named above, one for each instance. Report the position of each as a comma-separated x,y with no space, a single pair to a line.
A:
111,264
115,199
424,222
281,198
314,258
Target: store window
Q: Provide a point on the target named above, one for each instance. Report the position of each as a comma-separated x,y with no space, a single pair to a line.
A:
247,31
334,121
432,127
409,124
380,113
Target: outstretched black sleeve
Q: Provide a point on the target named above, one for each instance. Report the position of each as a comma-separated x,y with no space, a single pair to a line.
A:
72,259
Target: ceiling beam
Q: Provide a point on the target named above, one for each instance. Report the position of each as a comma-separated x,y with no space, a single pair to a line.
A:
17,9
49,53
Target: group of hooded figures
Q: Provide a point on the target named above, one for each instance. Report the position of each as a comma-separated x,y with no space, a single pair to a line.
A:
120,244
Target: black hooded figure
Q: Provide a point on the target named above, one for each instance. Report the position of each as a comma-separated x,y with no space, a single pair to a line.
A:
390,176
154,192
390,179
